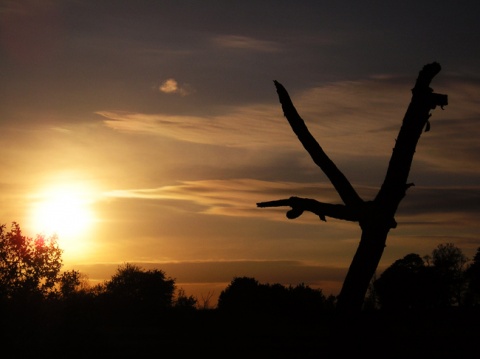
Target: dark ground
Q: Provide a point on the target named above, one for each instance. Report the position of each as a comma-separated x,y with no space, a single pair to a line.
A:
453,333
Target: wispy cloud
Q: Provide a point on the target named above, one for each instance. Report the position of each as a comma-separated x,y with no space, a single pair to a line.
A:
245,43
355,122
449,206
237,197
251,126
342,115
349,119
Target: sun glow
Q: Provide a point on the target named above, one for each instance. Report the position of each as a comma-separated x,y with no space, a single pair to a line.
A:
64,211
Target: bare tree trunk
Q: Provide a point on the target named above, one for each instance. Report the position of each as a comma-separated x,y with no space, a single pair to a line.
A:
376,217
362,269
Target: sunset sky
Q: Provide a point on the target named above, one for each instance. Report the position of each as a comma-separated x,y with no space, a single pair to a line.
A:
146,131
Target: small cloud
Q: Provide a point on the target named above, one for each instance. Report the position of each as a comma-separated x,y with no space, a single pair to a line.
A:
245,43
171,86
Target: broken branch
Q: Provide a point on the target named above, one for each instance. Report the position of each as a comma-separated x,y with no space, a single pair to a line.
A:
322,210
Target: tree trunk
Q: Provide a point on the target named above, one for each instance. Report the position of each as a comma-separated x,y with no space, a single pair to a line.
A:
376,217
362,269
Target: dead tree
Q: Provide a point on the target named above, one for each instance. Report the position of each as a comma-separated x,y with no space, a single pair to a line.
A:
376,217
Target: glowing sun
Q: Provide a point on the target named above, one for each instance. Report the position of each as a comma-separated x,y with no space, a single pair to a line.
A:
65,211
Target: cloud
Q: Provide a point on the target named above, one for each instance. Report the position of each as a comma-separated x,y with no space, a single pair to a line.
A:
455,206
355,122
450,146
171,86
251,126
236,197
342,116
245,43
348,118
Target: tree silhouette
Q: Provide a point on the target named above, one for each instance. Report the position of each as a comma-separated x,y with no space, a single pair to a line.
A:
241,295
184,301
132,285
69,282
28,266
401,285
245,296
473,277
416,283
449,262
376,217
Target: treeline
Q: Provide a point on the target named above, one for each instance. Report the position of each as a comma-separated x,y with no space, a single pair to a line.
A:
31,277
138,312
30,271
43,307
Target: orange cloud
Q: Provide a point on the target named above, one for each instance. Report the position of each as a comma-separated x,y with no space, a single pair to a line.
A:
171,86
236,197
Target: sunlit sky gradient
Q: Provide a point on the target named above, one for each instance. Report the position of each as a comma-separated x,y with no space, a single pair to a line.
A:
161,120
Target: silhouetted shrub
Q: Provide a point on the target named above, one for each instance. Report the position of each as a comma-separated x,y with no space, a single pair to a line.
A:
246,296
135,288
400,284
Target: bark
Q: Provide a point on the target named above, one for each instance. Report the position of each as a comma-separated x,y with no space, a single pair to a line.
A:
376,217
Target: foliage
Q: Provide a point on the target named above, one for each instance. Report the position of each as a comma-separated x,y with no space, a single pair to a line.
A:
401,285
182,301
472,275
245,295
28,266
448,258
133,285
241,293
69,282
449,262
413,283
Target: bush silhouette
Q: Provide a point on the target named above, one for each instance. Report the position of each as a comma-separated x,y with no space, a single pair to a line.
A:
134,289
246,296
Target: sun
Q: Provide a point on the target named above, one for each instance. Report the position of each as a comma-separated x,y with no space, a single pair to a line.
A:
65,211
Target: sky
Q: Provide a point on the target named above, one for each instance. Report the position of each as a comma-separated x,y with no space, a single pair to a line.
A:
146,131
